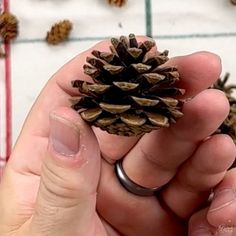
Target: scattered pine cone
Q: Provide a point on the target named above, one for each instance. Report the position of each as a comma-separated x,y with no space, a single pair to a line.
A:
8,26
133,93
118,3
229,124
233,1
59,32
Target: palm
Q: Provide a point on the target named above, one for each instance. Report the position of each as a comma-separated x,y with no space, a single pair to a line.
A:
119,210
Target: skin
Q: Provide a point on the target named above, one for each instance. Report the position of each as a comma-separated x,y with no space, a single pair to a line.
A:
60,178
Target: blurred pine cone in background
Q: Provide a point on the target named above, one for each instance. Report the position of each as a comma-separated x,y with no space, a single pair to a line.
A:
118,3
229,124
133,93
8,26
59,32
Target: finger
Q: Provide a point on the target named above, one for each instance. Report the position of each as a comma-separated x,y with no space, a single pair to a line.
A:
199,226
66,198
191,187
158,154
131,215
222,210
197,72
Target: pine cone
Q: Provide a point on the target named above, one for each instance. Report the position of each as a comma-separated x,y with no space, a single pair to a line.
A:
59,32
132,94
8,26
118,3
229,124
233,1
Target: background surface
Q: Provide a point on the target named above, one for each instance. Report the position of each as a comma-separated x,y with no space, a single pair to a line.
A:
180,26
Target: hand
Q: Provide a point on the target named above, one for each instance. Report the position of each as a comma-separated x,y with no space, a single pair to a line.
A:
53,183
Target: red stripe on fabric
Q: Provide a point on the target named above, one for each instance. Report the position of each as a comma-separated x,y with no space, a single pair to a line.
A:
6,5
7,46
8,97
8,100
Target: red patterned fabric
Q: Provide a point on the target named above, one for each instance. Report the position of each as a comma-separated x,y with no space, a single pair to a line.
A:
5,103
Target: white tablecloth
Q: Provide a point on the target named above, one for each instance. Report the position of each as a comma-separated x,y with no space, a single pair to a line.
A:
180,26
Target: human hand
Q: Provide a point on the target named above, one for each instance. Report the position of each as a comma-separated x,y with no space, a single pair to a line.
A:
54,183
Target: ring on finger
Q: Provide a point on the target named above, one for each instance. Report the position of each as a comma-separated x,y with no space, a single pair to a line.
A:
130,185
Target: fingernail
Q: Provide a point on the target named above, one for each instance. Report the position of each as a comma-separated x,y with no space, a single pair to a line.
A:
64,136
222,199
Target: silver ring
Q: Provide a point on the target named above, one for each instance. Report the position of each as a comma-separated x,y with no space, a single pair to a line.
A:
130,185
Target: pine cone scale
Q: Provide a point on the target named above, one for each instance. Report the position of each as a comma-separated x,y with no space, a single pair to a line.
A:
103,122
141,68
133,41
145,102
98,88
114,108
153,78
91,114
126,86
113,70
132,120
157,119
170,102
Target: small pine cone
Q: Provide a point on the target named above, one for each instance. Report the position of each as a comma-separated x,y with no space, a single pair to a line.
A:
234,2
118,3
229,124
133,93
59,32
8,26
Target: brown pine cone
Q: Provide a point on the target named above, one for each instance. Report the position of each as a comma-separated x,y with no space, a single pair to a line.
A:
118,3
233,1
8,26
59,32
229,124
133,93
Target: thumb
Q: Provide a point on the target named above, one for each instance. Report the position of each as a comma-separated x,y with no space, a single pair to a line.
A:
66,199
